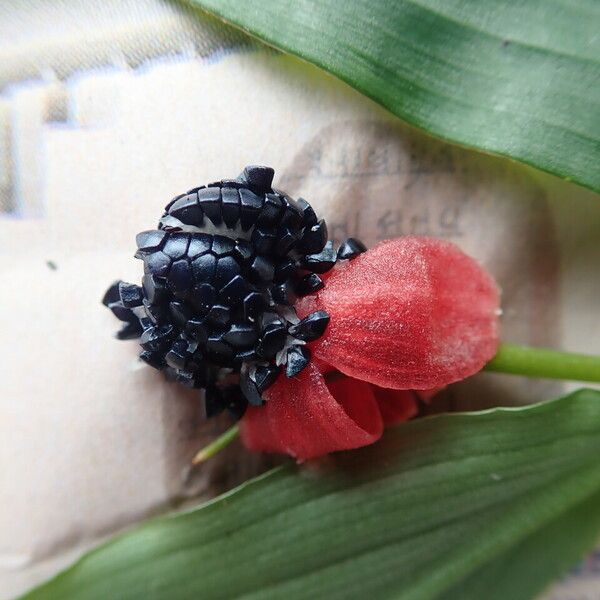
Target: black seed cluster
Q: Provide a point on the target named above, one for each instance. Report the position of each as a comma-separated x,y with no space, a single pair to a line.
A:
221,273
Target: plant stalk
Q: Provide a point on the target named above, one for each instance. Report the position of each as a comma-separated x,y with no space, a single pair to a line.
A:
217,445
543,362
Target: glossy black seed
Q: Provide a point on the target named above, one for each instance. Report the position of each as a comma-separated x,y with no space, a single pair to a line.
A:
311,327
231,183
246,356
314,238
204,267
254,304
282,294
227,269
121,312
219,348
265,376
250,207
176,245
194,190
178,355
292,217
198,330
130,294
284,270
200,243
179,313
187,210
272,340
308,214
203,296
322,261
350,248
148,241
271,212
243,251
154,289
263,240
173,200
213,401
210,202
297,358
130,331
241,335
235,290
258,177
231,206
222,246
157,264
309,284
180,276
286,240
154,312
250,389
191,379
219,314
261,270
154,359
154,338
112,294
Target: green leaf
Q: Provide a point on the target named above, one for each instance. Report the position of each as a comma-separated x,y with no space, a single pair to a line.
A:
520,79
441,502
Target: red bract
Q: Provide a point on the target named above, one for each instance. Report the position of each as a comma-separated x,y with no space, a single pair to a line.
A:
411,314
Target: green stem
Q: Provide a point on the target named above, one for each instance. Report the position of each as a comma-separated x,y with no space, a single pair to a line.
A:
542,362
217,445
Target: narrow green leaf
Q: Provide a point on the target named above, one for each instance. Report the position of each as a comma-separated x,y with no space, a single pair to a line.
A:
438,502
520,79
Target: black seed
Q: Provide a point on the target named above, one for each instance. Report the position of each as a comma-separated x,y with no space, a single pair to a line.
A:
130,331
314,238
265,377
250,207
187,210
203,296
154,338
227,269
292,217
177,244
285,241
180,313
210,201
243,251
178,355
309,284
254,304
194,190
272,340
261,269
321,262
197,329
263,240
200,243
112,294
250,390
241,335
219,315
231,206
246,356
234,401
258,177
350,248
308,214
222,246
297,358
121,312
154,312
284,270
180,276
218,348
271,212
130,294
148,241
154,359
235,290
282,294
154,289
173,200
191,379
157,264
311,327
204,268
